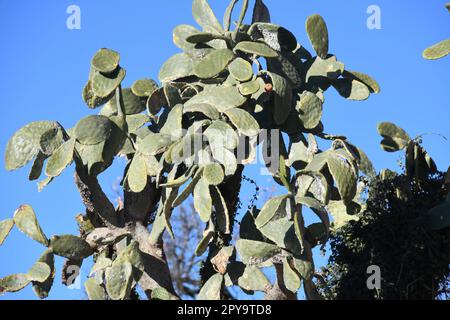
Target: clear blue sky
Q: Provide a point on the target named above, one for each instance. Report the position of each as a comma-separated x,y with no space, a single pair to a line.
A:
44,67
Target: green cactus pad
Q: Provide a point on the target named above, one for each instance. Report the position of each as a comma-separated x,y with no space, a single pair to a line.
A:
352,89
144,88
5,229
202,199
156,101
25,143
181,33
204,108
344,176
119,280
93,129
131,103
36,168
94,290
256,48
39,272
213,174
304,268
395,138
93,101
205,17
371,83
325,68
290,277
103,86
340,214
309,110
249,88
220,133
241,69
212,289
226,157
14,283
272,208
137,174
25,219
277,37
154,144
106,60
243,121
318,34
42,290
223,98
204,242
51,140
70,247
213,64
178,66
437,51
203,37
255,252
283,98
61,159
249,278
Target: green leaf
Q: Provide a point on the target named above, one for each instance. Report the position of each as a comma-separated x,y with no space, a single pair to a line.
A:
205,17
255,252
243,121
241,69
202,199
137,174
42,290
93,129
5,229
25,143
395,138
256,48
119,279
70,247
309,108
61,159
177,67
272,209
105,85
318,34
213,64
211,290
25,219
14,283
221,97
94,290
249,278
213,174
437,51
39,272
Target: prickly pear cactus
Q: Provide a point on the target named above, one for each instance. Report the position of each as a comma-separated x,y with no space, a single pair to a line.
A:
440,49
192,133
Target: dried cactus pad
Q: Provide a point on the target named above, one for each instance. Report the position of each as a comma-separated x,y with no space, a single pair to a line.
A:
318,34
93,129
25,143
106,60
